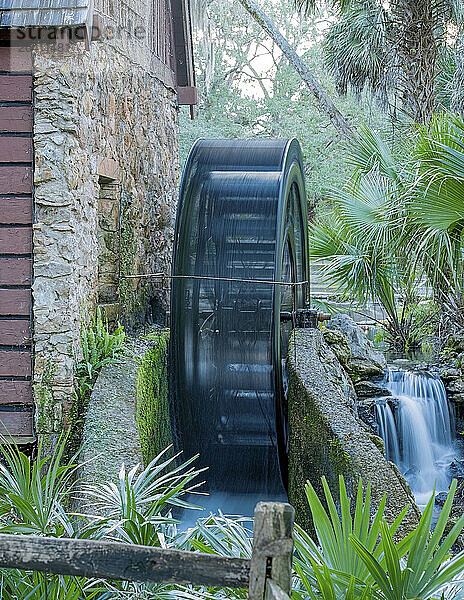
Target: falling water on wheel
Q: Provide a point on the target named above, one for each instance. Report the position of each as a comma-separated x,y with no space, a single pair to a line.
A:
241,227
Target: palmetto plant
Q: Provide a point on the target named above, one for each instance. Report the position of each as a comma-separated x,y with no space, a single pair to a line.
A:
427,569
399,220
397,45
35,498
334,527
33,494
436,209
353,556
137,509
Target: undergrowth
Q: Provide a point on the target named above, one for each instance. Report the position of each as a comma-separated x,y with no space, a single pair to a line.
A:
99,348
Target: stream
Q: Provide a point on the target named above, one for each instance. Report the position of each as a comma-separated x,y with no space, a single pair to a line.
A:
417,425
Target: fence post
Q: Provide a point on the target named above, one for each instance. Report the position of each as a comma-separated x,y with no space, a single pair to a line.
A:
272,548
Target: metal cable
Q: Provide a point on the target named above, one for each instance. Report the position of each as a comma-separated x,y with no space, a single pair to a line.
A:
210,278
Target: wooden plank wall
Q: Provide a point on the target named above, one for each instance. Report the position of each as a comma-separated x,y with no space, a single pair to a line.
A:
16,213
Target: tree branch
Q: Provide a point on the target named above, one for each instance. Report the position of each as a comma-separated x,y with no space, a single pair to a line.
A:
323,100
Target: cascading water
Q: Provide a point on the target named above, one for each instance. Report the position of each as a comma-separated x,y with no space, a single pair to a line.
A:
417,426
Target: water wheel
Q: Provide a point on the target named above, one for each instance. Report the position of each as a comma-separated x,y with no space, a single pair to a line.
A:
241,227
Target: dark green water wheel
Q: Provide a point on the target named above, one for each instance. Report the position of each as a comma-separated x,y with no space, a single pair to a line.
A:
241,227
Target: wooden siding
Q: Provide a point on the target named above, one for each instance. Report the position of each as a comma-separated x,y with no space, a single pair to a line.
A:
16,213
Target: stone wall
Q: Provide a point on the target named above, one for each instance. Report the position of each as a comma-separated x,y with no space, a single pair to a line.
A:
327,438
102,116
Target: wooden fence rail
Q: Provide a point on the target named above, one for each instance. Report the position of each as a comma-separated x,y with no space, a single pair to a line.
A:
267,575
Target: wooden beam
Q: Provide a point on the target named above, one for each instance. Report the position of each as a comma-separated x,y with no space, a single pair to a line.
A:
14,363
15,240
272,548
16,210
15,392
15,180
15,89
183,49
16,119
16,59
16,423
15,271
15,332
107,560
15,303
187,95
108,169
15,149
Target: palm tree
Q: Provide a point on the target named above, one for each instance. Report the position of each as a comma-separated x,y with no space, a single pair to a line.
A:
401,43
436,210
356,50
392,226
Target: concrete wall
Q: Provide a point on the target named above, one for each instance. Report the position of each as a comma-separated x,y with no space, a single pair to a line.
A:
103,116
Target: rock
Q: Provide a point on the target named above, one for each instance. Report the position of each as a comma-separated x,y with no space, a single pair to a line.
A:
326,438
458,398
450,373
368,389
366,413
459,341
110,435
456,469
339,345
456,386
365,360
378,442
440,498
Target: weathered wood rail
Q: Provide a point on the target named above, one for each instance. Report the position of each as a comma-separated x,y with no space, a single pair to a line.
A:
267,575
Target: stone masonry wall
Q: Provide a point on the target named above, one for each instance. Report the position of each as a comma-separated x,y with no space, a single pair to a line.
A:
93,107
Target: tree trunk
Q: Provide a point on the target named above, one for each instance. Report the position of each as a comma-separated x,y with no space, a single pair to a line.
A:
414,41
457,99
324,102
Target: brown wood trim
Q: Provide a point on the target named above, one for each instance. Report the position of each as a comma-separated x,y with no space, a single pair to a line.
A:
16,89
15,149
15,392
16,119
15,303
15,240
16,210
187,95
15,271
15,180
14,363
15,332
16,423
15,59
183,48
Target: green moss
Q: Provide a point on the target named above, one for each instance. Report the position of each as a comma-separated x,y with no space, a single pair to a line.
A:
314,450
153,418
45,401
339,458
128,256
378,441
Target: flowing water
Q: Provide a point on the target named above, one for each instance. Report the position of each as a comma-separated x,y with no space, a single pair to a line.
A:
417,425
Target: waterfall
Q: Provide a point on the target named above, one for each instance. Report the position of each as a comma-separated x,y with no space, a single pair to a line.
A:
417,426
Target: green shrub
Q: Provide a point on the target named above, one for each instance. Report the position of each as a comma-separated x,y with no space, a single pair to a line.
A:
99,347
34,496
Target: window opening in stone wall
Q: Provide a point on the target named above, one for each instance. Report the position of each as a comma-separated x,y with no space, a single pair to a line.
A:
109,250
